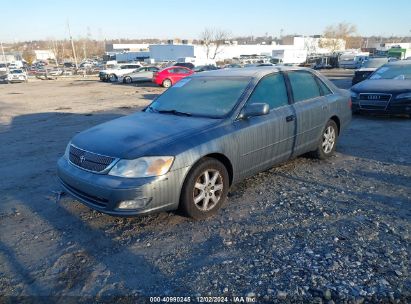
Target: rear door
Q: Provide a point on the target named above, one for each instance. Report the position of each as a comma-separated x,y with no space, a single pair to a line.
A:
179,73
311,109
141,74
268,139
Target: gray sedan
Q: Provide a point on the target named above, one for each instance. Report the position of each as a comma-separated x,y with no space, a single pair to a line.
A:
139,75
202,135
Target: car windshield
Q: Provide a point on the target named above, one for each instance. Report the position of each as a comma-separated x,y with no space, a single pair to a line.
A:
400,72
16,72
374,63
201,96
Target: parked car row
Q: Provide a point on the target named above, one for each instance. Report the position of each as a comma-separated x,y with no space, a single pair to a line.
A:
14,75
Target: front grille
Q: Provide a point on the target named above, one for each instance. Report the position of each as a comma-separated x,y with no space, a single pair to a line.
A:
374,101
375,97
89,160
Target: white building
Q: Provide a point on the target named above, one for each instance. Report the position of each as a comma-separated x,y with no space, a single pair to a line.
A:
120,47
317,45
164,52
44,54
387,46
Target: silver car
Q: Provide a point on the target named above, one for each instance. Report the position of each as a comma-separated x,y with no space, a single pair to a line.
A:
207,132
139,75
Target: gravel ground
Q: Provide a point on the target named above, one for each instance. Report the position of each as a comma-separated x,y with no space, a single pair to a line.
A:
331,231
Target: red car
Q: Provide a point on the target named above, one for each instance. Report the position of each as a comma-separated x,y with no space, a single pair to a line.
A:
171,75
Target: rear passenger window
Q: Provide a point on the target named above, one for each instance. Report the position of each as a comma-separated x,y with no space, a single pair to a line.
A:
303,85
272,90
324,89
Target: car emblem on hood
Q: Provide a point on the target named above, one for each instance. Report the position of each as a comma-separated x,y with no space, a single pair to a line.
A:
82,159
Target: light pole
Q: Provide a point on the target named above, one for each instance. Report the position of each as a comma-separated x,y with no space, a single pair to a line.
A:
2,51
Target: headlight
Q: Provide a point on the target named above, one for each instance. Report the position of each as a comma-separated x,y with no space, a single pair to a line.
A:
353,94
404,96
67,152
142,167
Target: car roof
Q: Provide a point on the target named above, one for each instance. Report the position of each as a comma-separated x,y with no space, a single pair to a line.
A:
399,62
249,71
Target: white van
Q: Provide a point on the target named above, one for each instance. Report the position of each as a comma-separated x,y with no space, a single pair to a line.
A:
352,60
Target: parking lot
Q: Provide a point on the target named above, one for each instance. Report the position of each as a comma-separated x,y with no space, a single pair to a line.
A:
307,230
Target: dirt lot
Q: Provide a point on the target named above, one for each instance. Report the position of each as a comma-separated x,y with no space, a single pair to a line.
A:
317,231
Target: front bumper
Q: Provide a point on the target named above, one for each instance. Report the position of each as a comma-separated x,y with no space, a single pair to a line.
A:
104,192
103,77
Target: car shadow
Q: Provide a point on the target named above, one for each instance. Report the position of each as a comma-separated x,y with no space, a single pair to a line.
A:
113,261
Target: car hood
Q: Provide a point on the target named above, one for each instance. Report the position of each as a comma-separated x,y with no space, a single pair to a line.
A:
382,86
135,135
365,70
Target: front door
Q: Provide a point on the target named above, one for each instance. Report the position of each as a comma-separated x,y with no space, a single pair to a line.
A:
268,139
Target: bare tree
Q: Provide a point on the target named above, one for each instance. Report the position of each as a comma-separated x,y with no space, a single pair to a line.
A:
333,35
213,40
29,56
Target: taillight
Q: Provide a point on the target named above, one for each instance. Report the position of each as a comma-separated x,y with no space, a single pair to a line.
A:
349,103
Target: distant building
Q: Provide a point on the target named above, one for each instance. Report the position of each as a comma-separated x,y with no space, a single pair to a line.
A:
130,47
386,46
10,56
162,52
44,54
174,49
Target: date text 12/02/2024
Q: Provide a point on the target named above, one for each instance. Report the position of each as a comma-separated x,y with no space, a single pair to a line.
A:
200,299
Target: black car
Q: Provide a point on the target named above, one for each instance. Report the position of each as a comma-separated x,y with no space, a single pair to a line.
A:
203,68
187,65
368,68
386,91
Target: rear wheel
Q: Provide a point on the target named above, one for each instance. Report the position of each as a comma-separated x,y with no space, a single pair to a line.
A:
328,142
167,83
205,189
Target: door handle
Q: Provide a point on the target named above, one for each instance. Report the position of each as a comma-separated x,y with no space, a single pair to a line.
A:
290,118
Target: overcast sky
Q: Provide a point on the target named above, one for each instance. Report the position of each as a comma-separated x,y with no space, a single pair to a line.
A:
41,19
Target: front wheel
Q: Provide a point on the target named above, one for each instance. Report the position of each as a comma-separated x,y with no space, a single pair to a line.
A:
112,78
328,142
167,83
128,79
205,189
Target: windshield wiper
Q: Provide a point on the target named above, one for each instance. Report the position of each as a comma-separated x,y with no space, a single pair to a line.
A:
174,112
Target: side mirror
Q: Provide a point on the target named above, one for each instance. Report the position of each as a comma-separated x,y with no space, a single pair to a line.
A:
254,109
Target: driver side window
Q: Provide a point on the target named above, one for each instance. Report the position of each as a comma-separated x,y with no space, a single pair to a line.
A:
271,90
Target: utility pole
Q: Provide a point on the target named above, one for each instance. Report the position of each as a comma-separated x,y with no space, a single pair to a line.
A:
84,49
2,51
72,45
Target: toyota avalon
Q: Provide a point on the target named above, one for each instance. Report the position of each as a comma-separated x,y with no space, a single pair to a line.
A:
202,135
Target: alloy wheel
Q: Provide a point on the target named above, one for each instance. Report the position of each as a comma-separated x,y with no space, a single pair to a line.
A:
328,139
208,190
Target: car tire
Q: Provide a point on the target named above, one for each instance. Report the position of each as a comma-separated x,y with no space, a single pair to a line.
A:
128,79
328,141
205,189
167,83
112,78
